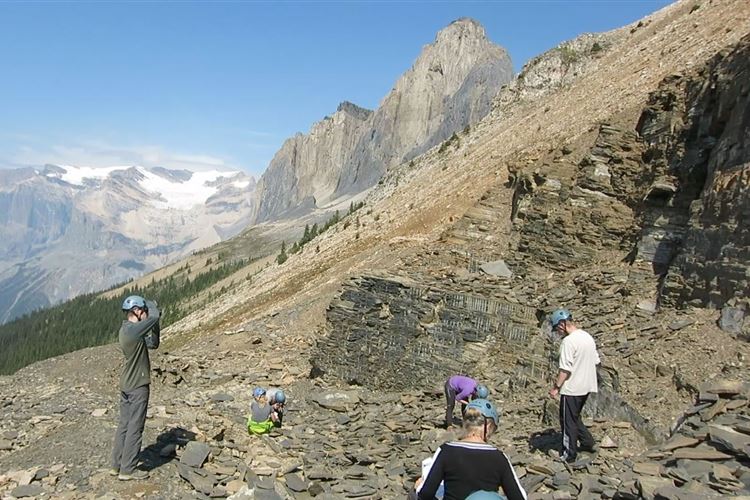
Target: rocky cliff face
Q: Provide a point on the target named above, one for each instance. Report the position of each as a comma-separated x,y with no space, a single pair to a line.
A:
450,86
707,170
304,173
66,231
556,68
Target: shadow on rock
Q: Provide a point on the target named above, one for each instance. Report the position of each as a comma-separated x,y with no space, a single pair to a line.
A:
165,447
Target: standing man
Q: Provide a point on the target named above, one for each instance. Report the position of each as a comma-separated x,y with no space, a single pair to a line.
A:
575,380
460,388
138,333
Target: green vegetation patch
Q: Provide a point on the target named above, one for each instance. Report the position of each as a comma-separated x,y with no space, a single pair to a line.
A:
91,320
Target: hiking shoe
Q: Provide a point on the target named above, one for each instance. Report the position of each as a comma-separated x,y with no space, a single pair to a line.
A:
114,471
136,475
589,449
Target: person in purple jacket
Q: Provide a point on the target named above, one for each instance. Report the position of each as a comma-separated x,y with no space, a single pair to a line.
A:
461,388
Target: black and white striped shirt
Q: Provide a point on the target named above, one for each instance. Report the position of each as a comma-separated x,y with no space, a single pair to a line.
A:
466,467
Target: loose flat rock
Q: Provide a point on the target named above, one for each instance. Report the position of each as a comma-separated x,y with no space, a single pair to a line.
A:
320,473
295,483
5,445
607,442
731,319
27,490
245,493
204,484
647,486
338,400
674,493
728,438
267,495
195,454
234,486
725,387
700,453
497,268
679,441
647,468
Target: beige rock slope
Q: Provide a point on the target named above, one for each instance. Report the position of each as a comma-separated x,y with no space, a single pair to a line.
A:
554,182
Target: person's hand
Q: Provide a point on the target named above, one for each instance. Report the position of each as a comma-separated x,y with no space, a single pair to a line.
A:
554,392
418,482
463,401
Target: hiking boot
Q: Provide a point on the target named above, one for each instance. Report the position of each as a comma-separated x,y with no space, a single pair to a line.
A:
136,475
589,449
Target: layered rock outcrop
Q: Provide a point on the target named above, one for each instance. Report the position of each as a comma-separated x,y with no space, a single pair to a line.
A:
711,168
450,86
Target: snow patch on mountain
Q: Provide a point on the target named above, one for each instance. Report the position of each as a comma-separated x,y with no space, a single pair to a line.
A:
77,175
184,195
169,193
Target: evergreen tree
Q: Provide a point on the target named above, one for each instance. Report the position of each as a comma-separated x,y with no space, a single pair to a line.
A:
281,258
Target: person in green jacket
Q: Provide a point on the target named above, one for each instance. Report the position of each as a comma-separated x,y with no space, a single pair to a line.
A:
260,420
139,332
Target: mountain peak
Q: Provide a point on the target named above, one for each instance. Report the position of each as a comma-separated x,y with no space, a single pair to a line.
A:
464,26
352,109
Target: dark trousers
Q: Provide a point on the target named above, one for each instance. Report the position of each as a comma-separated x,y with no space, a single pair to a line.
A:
279,417
572,426
133,406
450,403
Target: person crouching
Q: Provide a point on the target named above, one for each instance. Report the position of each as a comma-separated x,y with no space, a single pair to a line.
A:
259,421
277,400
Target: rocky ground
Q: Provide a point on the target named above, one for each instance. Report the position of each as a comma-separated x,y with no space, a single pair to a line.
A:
337,441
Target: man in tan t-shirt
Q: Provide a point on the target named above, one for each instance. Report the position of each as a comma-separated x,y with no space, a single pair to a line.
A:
575,380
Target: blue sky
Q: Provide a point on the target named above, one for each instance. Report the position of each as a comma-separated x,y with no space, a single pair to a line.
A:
222,84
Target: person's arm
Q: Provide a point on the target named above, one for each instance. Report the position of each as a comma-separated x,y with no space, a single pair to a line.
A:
152,338
431,481
566,366
463,396
509,481
562,376
133,332
150,326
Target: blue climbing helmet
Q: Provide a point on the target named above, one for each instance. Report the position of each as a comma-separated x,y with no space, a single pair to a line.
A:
486,408
482,392
133,301
484,495
280,397
258,392
559,315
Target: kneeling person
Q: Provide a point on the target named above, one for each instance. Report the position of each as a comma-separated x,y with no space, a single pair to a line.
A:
259,421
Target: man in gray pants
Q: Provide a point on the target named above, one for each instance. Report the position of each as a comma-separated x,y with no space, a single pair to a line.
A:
138,333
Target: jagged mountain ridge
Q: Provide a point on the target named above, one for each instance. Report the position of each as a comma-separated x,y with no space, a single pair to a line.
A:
69,230
451,85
